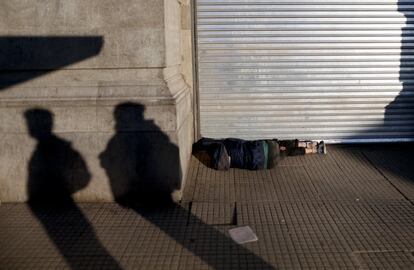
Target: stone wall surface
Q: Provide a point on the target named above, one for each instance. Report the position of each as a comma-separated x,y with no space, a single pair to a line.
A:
79,60
133,30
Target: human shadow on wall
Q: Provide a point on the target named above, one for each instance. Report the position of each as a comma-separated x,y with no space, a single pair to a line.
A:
56,171
142,164
399,114
23,58
397,121
395,160
144,169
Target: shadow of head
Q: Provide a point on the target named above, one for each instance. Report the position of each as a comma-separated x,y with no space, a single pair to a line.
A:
39,123
129,117
142,164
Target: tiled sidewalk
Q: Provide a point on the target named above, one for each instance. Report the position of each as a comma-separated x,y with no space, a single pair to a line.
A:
350,209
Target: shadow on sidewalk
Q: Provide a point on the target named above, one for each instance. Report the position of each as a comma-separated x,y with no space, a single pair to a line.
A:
144,170
56,171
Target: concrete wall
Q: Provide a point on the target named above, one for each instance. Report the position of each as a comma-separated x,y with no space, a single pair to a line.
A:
80,60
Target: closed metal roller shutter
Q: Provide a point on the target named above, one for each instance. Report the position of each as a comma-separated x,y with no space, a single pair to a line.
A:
327,69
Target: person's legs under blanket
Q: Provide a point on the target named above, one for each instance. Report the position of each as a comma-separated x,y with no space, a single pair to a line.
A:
290,148
246,154
234,153
218,157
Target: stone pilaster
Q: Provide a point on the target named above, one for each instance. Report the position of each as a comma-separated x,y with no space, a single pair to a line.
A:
139,60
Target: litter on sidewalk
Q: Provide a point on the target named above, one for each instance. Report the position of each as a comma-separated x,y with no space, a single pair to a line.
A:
243,235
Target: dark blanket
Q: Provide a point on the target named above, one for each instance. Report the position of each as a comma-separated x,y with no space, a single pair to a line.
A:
244,154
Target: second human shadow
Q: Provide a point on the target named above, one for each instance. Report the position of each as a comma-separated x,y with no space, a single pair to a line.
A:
143,167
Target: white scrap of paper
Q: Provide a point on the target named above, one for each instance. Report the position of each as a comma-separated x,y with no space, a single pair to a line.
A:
243,235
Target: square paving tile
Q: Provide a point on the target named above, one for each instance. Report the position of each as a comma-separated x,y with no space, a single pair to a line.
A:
317,238
152,241
90,263
385,260
213,213
210,262
353,213
326,261
157,262
272,239
247,175
369,236
260,213
220,191
191,181
355,165
397,168
102,240
256,191
37,263
305,213
294,184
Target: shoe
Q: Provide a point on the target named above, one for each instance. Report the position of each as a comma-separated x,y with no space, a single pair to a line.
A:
312,144
321,148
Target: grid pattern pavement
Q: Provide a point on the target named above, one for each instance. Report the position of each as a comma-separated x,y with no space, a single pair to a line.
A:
350,209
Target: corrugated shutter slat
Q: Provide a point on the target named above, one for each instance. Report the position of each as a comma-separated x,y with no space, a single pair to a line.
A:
314,69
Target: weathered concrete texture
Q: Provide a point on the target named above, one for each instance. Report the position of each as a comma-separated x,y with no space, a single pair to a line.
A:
79,83
112,53
94,115
133,30
186,42
88,128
